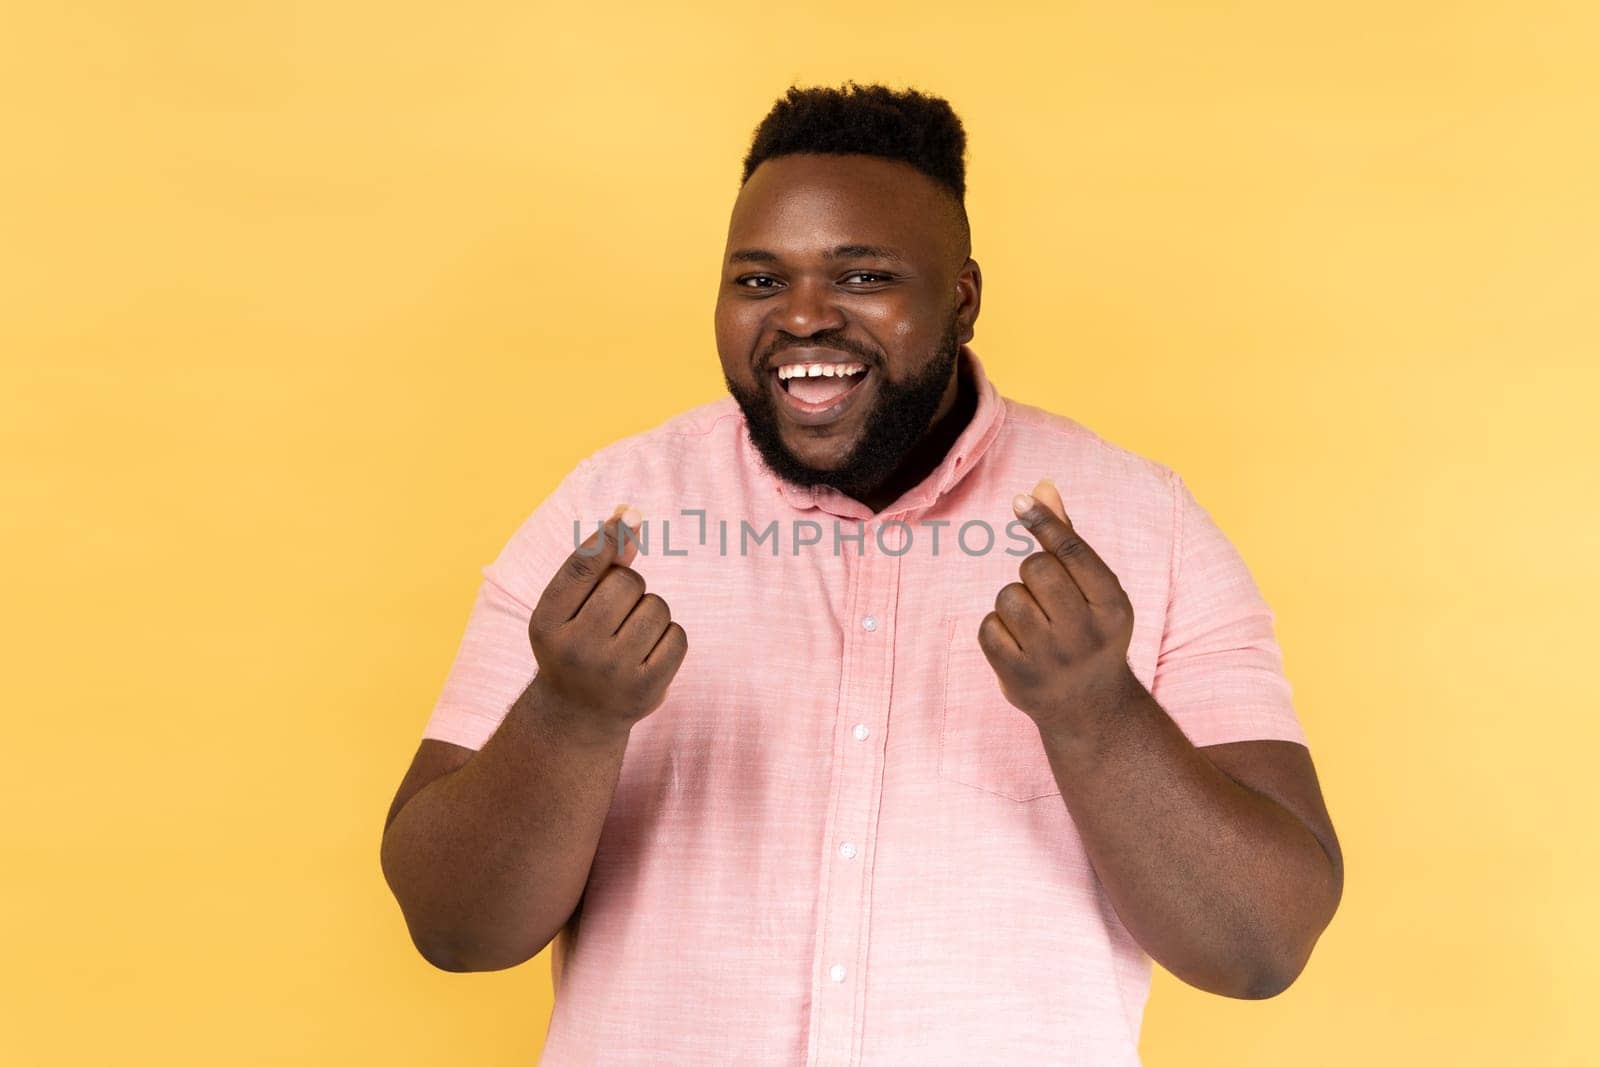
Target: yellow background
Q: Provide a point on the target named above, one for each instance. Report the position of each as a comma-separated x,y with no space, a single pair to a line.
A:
303,306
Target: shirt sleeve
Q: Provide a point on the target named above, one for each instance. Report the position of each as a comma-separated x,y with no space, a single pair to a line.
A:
494,662
1219,673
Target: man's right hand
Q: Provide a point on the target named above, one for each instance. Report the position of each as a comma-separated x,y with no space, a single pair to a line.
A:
606,649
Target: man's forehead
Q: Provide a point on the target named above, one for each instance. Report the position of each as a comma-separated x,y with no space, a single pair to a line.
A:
824,205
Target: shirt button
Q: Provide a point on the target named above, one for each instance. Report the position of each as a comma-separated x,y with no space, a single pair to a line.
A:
861,731
869,623
836,972
847,850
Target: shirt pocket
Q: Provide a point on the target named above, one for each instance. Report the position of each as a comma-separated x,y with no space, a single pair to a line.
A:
985,741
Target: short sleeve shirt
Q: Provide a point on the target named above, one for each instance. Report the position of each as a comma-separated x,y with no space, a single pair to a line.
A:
836,842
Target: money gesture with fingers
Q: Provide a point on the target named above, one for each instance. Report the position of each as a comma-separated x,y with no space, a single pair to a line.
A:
607,650
1058,639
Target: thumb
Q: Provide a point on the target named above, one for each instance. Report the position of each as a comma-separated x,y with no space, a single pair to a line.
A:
627,543
1047,494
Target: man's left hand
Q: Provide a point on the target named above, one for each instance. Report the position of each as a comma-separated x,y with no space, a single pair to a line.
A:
1058,639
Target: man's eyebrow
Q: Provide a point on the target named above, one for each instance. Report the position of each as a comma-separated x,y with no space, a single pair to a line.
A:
761,255
867,252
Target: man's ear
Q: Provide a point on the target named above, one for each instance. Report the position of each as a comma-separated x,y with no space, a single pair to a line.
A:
969,297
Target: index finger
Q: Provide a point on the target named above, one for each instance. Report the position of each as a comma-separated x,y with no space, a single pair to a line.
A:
578,575
1056,536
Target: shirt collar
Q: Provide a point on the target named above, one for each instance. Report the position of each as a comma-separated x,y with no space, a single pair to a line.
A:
964,454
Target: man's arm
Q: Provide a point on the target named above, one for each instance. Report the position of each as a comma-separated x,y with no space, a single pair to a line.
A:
1221,862
488,861
488,854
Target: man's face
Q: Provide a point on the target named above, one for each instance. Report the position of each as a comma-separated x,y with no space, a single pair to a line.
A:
857,263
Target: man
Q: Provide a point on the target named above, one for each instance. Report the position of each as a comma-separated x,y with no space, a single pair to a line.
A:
865,775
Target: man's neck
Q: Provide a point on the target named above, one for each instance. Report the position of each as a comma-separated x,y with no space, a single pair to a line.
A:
931,450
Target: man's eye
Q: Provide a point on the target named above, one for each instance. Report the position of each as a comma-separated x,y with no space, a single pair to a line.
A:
870,276
746,280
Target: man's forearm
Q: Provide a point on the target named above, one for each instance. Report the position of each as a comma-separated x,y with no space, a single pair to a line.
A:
489,861
1225,888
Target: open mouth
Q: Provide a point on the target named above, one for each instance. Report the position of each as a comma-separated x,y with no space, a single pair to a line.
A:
815,393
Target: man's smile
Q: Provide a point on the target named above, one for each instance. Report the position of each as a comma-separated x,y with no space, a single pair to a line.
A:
818,388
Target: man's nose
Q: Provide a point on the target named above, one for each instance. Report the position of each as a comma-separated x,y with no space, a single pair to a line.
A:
806,307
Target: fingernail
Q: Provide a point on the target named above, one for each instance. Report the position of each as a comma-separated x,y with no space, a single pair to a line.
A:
631,517
1021,502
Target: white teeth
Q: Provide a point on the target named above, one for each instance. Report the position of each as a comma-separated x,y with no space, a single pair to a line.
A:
819,370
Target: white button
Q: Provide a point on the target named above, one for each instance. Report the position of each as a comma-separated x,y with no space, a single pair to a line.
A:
836,972
847,850
860,731
869,624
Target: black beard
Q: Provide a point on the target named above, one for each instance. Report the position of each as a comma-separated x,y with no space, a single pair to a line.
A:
900,417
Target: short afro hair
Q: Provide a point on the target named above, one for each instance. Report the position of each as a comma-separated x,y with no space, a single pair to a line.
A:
873,120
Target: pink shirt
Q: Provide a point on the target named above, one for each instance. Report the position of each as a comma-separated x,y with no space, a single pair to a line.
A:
836,842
